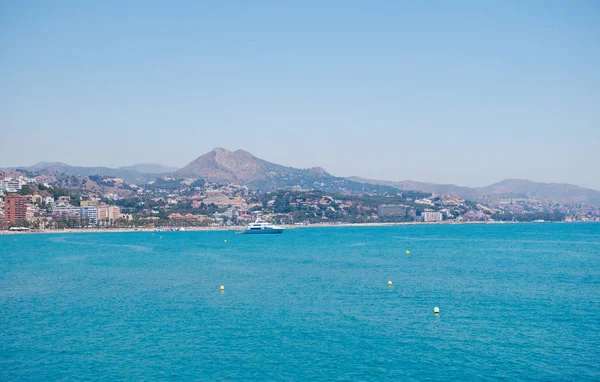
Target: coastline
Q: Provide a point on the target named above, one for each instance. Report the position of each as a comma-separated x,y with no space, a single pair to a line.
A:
239,228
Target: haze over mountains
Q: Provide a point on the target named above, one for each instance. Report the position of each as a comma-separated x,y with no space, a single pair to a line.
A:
136,174
505,189
241,167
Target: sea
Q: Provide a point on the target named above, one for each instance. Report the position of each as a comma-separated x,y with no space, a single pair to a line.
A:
516,302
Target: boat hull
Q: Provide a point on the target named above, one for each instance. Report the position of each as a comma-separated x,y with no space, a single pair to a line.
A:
262,231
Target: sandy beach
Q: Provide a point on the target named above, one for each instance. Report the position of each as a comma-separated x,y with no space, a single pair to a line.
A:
233,228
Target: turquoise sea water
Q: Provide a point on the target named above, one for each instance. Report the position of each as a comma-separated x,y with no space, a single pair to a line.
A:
517,302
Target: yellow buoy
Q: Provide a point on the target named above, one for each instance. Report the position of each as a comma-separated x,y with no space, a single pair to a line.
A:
408,252
389,283
222,287
436,310
224,241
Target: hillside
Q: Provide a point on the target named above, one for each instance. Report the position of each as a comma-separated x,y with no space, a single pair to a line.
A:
241,167
505,189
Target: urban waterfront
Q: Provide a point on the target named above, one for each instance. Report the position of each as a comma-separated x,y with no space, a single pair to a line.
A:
517,301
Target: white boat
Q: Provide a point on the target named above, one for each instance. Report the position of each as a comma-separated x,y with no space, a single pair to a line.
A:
261,227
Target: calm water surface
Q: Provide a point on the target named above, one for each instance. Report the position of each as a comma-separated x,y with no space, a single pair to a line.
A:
518,302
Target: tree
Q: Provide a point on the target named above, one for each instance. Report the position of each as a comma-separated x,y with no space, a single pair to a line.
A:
26,190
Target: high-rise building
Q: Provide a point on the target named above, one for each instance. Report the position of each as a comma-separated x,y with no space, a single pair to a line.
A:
110,213
392,210
90,213
15,209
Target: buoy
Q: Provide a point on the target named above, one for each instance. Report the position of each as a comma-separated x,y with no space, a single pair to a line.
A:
389,283
436,310
222,287
161,237
224,241
408,252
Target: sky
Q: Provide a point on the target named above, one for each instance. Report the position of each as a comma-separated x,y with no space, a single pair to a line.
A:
463,92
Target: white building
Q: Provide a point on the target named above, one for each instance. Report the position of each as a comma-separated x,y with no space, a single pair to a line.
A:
431,216
10,185
424,201
111,196
24,180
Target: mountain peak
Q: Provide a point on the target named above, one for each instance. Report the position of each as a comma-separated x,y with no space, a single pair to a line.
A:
241,167
320,171
43,165
242,152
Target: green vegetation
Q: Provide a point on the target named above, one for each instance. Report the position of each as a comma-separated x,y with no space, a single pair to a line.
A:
164,184
529,217
26,190
57,192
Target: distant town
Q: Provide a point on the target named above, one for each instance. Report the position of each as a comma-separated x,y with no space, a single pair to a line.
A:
30,201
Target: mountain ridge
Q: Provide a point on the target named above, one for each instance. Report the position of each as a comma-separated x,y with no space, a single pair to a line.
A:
242,167
505,189
130,174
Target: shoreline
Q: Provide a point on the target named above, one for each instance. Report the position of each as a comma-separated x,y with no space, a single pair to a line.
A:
239,228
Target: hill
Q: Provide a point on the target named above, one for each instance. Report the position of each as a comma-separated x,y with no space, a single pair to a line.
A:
241,167
149,168
131,174
505,189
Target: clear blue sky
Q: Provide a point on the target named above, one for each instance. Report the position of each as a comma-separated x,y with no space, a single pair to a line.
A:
465,92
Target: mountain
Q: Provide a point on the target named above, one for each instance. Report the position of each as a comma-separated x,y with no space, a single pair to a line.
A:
130,174
241,167
506,189
558,192
149,168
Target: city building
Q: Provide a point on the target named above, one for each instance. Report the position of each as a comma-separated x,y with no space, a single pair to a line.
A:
88,203
15,209
30,214
89,213
431,216
108,213
10,185
81,213
66,211
392,210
